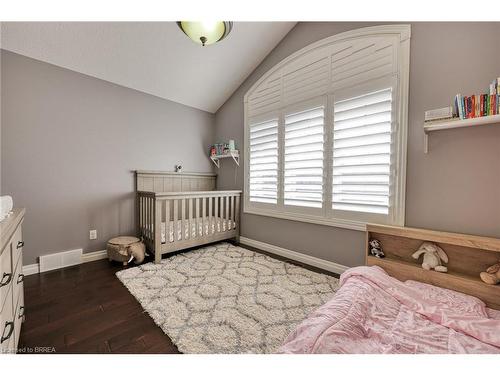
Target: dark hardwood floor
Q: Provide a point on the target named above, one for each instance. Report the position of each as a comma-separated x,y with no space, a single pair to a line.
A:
86,309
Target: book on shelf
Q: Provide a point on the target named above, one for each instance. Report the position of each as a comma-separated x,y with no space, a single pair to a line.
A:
437,122
439,114
472,106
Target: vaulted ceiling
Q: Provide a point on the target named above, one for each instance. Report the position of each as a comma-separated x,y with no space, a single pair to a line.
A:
153,57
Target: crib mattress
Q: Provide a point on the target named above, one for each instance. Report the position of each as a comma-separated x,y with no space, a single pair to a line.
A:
191,231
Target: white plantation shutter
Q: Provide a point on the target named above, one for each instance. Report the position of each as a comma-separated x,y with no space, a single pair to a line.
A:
263,169
303,167
326,131
362,153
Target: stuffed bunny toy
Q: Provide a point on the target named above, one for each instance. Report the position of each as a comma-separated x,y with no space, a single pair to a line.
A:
433,257
492,274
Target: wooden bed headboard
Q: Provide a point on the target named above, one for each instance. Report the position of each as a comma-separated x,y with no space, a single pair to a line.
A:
166,182
468,256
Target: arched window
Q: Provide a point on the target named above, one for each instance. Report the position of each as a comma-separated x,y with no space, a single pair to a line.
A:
326,129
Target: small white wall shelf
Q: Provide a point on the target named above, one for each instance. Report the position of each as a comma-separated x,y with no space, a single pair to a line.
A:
235,155
456,123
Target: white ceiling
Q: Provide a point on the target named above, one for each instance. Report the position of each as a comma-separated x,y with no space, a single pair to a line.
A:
153,57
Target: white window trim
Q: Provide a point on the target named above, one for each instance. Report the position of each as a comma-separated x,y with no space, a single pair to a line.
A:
398,218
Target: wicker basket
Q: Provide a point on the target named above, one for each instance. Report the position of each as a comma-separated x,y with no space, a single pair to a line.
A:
122,248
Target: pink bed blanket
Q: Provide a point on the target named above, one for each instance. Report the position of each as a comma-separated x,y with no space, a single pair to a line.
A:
375,313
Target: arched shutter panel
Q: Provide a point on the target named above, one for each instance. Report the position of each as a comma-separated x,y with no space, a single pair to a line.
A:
326,128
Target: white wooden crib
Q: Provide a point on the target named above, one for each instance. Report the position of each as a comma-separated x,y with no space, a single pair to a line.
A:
176,211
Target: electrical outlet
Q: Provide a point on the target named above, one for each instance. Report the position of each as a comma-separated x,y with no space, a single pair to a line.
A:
93,234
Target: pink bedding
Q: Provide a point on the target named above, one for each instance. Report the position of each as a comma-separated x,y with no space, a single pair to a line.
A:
375,313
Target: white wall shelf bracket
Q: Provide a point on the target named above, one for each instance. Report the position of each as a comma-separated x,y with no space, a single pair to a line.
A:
235,155
456,123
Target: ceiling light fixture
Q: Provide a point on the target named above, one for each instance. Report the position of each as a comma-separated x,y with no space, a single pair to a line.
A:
207,32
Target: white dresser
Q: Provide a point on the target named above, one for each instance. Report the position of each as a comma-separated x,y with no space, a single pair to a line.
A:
11,281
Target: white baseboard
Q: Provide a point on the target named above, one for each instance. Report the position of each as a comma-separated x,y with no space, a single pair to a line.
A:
294,255
31,269
95,255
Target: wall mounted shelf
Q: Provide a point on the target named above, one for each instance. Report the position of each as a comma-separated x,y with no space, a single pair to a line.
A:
456,123
235,155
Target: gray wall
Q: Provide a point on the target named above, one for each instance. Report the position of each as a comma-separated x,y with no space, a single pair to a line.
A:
69,143
456,187
0,110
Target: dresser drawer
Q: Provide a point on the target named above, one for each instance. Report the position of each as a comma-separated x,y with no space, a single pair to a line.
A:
18,318
7,324
11,280
6,274
17,245
18,279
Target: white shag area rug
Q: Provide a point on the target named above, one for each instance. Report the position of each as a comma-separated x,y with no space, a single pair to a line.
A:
227,299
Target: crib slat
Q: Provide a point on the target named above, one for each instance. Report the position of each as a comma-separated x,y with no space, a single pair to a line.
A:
147,218
222,205
230,216
176,216
237,213
197,217
183,219
233,221
140,216
216,213
167,221
190,219
221,214
143,214
157,229
137,215
204,215
151,218
209,216
227,212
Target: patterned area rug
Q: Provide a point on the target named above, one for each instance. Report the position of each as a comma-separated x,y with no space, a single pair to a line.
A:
226,299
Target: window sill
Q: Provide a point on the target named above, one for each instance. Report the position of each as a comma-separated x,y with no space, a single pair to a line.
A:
332,222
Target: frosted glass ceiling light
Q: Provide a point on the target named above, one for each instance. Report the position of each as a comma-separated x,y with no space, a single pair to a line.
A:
207,32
